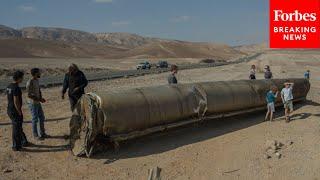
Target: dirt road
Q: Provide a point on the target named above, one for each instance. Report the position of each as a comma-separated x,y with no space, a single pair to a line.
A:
230,148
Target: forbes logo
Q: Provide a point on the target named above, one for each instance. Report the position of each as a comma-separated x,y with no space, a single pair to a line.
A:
296,16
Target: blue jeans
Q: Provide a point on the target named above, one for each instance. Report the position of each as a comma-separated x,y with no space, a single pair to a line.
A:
37,118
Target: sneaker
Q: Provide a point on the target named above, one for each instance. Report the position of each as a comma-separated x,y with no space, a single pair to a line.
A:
40,138
26,144
16,149
287,119
45,136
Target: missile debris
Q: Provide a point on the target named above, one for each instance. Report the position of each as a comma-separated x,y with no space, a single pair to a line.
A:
111,117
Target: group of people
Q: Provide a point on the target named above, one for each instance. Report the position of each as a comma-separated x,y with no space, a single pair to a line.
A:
271,97
74,81
267,72
287,100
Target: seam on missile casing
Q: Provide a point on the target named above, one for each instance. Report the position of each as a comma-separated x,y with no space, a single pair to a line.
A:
146,100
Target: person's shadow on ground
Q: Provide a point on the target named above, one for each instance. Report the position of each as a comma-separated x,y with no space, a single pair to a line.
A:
36,148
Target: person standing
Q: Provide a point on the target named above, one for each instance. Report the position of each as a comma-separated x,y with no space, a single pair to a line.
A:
252,73
267,73
14,111
307,75
287,98
271,100
75,81
34,100
172,77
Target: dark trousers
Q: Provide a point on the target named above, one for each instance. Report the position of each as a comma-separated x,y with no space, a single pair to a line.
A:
252,76
18,137
73,101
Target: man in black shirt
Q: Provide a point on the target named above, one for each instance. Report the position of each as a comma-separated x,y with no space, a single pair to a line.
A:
75,81
14,96
172,77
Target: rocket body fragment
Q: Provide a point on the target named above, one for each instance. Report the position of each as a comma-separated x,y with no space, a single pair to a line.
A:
136,112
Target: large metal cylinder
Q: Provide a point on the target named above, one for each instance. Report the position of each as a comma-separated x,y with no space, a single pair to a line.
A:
136,112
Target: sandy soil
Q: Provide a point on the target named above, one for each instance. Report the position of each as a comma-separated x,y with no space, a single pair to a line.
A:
230,148
55,66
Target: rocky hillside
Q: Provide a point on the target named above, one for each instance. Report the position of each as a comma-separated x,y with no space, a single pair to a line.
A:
124,39
58,34
60,42
7,32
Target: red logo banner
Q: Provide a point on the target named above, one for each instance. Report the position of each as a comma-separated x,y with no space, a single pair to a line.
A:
294,23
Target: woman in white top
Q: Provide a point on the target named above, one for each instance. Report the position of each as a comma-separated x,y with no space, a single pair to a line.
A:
252,74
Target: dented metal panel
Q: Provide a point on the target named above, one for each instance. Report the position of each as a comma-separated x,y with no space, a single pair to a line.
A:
131,113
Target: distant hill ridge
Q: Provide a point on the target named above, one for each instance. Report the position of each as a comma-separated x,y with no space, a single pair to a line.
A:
61,42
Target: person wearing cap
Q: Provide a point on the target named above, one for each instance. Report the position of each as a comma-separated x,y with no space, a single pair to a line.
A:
287,98
172,77
34,101
75,81
267,73
252,73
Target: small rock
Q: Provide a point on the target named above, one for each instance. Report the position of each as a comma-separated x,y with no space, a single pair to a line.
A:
279,145
274,147
22,170
6,170
266,156
289,143
270,143
271,151
278,155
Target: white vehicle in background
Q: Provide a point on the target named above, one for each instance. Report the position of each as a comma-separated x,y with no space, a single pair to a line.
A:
143,65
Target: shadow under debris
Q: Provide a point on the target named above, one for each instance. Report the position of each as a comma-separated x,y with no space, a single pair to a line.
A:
175,138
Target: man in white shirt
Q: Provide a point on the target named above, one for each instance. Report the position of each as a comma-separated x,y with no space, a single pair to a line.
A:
287,97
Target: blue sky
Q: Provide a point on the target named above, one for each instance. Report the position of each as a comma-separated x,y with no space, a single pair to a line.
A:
226,21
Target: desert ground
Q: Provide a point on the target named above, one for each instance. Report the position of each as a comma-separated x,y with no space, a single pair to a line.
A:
232,148
58,66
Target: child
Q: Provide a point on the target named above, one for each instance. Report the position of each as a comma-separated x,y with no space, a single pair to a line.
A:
287,97
271,99
307,74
